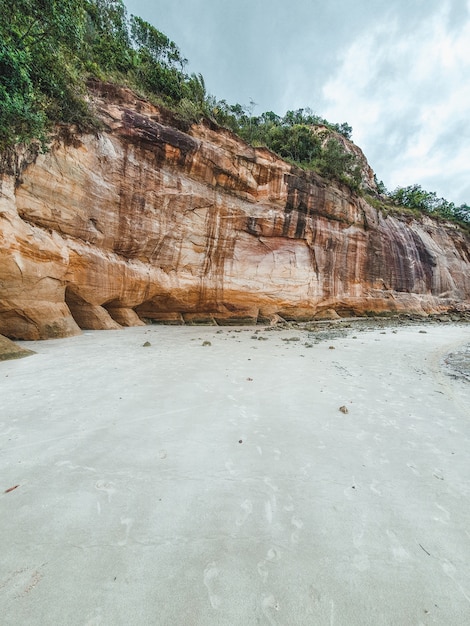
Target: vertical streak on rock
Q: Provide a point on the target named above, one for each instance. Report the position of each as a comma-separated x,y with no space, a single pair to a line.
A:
220,242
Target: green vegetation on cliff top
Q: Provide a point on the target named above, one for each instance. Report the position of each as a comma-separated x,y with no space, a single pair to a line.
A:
50,48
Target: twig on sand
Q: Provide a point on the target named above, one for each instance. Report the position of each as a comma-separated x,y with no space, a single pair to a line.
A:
11,489
428,553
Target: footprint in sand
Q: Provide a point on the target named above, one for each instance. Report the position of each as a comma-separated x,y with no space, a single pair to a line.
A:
211,574
358,537
108,488
229,466
246,510
413,469
373,487
273,555
399,552
269,482
269,604
95,620
298,524
288,503
262,571
127,522
270,507
444,519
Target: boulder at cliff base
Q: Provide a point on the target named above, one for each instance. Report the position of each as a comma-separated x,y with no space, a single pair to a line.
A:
9,350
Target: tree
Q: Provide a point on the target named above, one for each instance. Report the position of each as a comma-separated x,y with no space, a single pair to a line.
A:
270,119
33,22
107,40
344,129
19,120
415,197
296,142
462,213
39,40
195,89
337,163
155,45
381,189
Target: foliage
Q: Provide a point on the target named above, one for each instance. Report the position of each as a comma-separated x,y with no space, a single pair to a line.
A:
300,137
462,213
19,119
415,197
337,163
296,142
49,47
38,82
381,189
155,44
257,128
106,41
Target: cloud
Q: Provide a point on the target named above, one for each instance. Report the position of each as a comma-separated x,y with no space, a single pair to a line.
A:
405,89
398,72
278,53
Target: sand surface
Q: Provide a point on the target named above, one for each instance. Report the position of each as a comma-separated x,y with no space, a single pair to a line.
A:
190,484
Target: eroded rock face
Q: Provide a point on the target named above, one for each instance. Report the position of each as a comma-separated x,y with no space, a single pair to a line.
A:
146,221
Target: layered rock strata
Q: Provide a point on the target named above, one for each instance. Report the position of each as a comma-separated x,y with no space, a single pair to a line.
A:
147,222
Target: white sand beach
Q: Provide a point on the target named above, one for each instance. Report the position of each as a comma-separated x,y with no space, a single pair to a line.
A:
190,484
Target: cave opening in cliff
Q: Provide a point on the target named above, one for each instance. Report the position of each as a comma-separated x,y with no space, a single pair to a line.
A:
77,306
122,313
99,316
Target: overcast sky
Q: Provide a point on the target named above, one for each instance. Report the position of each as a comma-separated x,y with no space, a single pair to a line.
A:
398,71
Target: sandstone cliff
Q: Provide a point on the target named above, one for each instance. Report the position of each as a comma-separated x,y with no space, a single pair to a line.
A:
145,221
